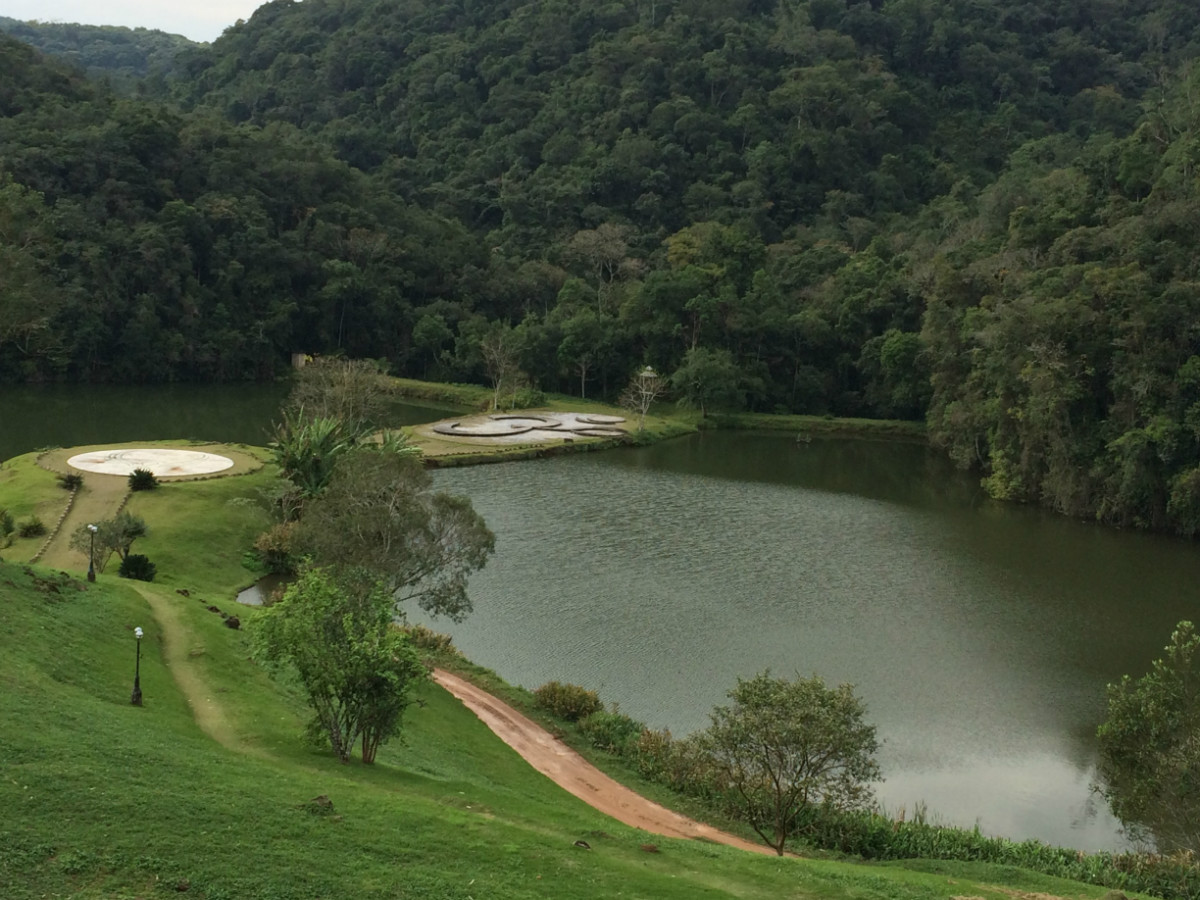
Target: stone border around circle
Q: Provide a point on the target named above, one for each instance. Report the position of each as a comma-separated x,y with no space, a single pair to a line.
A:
162,462
57,525
255,464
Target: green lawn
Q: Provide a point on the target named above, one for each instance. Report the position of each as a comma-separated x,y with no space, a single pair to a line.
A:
106,800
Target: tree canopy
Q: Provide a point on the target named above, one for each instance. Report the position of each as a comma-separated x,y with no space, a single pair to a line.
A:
356,667
1149,766
784,747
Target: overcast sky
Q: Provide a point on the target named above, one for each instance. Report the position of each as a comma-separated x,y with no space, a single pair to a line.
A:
200,20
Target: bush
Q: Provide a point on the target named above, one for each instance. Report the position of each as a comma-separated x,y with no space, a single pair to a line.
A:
528,398
71,481
142,480
427,639
7,527
274,548
138,567
31,527
567,701
612,731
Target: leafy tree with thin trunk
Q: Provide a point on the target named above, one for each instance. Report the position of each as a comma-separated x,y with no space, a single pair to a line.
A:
380,517
357,668
500,348
115,535
784,747
709,379
351,391
1149,769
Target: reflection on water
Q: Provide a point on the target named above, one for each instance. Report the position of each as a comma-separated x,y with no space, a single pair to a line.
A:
980,635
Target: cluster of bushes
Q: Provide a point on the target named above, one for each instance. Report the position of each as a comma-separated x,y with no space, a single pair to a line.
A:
70,481
567,701
26,528
427,639
680,764
877,837
138,567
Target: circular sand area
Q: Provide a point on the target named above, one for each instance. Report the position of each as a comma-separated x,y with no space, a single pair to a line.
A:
162,461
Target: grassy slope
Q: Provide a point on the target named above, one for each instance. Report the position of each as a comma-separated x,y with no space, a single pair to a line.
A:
27,490
106,800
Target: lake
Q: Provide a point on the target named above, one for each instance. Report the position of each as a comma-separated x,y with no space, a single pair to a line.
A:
981,635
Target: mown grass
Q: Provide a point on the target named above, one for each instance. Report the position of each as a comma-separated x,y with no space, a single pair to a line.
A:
26,490
104,799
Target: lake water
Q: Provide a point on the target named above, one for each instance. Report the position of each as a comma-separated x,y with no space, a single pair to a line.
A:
33,417
981,635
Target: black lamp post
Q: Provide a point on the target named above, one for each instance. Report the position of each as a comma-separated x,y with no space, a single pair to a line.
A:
136,697
92,529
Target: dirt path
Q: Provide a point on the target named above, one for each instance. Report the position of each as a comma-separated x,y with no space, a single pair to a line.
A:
177,654
97,500
572,772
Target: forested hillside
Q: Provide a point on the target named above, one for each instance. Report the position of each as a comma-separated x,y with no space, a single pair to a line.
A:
977,212
123,56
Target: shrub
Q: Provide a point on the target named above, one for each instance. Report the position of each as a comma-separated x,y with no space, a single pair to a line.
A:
7,527
142,480
31,527
71,481
528,398
567,701
274,548
427,639
612,731
138,567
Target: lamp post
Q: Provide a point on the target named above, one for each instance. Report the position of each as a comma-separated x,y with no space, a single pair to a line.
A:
92,529
136,697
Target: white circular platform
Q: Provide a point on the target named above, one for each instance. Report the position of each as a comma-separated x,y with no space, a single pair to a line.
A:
162,461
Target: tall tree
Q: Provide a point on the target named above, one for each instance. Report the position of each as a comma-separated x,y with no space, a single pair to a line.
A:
380,517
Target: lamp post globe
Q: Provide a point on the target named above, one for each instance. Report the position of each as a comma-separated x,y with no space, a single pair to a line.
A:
92,529
136,697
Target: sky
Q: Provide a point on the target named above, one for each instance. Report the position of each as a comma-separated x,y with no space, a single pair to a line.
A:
200,20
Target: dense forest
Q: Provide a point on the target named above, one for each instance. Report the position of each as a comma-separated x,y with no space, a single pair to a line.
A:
125,58
982,214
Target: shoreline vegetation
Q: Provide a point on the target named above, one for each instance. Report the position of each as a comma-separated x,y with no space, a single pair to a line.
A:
200,532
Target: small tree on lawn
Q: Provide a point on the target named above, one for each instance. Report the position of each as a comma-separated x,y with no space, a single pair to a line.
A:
357,668
785,746
500,349
644,388
115,535
1149,768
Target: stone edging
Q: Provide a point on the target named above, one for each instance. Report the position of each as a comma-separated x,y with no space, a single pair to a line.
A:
57,525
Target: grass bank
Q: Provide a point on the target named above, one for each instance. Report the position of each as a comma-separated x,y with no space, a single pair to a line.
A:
107,800
104,799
